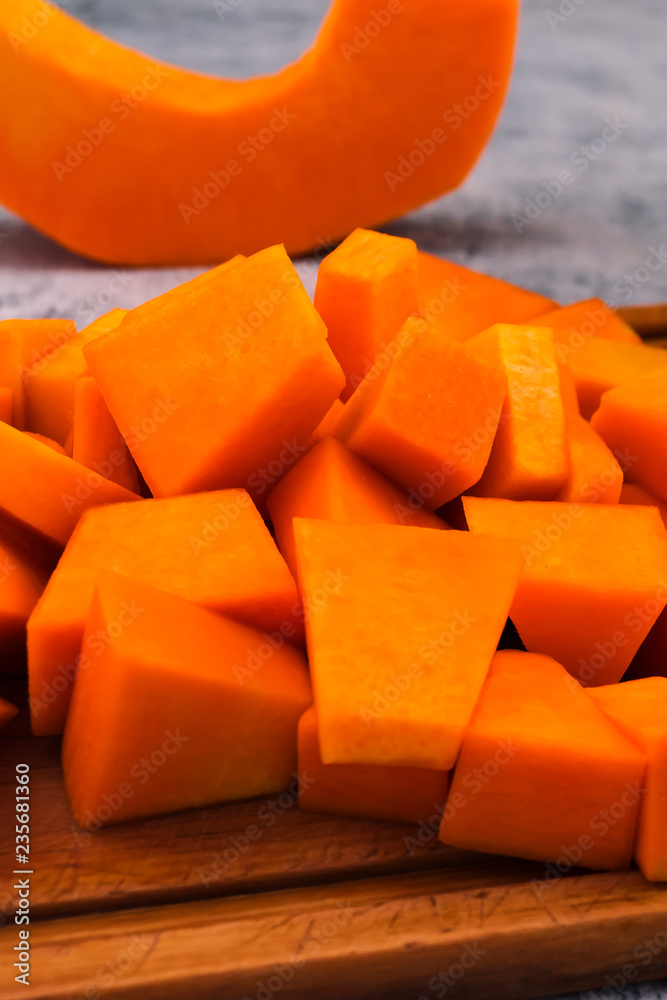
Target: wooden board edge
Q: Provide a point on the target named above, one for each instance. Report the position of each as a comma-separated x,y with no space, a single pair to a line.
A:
391,938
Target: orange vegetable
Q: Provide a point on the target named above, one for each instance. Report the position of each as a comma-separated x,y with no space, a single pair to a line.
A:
459,303
194,168
573,325
58,448
211,548
7,712
632,419
163,700
568,389
327,423
543,774
402,794
165,299
50,382
46,490
23,576
595,475
590,569
599,365
233,401
96,441
639,709
26,348
429,419
333,484
6,404
639,497
366,289
401,626
529,459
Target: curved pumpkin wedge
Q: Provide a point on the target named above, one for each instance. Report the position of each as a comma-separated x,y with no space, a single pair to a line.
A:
126,159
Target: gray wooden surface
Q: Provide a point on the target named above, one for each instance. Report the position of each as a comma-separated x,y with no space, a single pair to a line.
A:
602,60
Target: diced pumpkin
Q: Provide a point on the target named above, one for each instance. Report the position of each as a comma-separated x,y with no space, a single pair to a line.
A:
211,548
230,382
529,459
332,484
428,420
639,708
637,496
51,380
23,576
27,347
399,646
543,774
7,712
573,325
163,693
58,448
568,389
595,475
96,441
327,423
47,491
366,289
459,302
632,419
587,569
204,167
6,404
369,791
599,365
165,299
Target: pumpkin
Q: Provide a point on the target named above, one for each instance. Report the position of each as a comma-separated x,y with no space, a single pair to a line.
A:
126,159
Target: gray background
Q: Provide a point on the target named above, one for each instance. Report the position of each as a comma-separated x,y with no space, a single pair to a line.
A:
603,60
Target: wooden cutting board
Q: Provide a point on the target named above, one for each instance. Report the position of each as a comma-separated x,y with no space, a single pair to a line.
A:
258,899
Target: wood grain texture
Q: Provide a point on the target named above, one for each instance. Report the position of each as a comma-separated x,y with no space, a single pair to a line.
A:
380,938
191,855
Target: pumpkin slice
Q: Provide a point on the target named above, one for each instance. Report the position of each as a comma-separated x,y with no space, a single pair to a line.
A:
599,365
639,497
639,708
459,302
332,484
529,459
573,325
137,162
211,548
47,491
543,774
96,441
365,291
595,475
402,794
162,701
225,383
428,420
399,645
588,569
632,419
